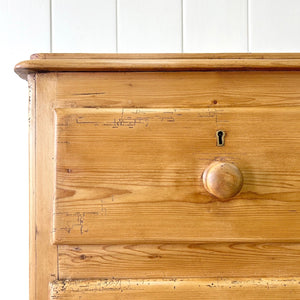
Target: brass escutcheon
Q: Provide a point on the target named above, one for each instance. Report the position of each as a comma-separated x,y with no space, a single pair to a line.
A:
220,134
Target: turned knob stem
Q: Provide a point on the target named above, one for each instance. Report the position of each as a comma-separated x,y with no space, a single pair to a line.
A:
223,180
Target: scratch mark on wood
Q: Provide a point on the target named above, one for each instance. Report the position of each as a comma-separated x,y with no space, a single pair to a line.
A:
80,222
88,94
132,119
103,209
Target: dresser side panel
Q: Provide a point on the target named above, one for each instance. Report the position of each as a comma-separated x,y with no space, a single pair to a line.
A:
32,171
45,253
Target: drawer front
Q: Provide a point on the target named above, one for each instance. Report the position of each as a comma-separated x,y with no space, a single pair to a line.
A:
179,260
135,175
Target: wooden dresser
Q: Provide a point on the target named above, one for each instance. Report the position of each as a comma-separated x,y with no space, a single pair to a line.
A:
168,176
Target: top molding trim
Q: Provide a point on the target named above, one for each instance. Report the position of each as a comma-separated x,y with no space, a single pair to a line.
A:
84,62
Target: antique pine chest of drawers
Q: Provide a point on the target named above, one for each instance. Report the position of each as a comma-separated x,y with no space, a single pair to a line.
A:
164,176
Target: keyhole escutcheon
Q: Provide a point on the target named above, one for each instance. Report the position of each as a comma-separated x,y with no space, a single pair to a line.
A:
220,138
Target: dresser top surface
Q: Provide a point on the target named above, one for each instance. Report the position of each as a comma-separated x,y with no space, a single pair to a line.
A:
159,62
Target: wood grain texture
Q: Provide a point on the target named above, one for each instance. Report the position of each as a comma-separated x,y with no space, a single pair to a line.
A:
153,64
178,89
42,252
32,187
222,179
180,260
178,289
134,175
116,163
166,55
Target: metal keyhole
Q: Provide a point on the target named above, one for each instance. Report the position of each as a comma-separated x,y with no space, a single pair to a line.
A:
220,138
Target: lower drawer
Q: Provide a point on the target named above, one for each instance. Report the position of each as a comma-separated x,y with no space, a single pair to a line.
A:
179,260
176,289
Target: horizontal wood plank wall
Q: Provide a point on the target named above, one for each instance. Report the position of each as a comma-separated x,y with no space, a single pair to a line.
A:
176,289
179,260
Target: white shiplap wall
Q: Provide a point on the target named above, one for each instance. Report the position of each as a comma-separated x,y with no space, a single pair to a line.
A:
175,26
215,26
31,26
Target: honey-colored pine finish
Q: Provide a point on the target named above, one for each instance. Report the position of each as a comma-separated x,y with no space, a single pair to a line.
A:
142,168
180,260
118,147
43,254
177,289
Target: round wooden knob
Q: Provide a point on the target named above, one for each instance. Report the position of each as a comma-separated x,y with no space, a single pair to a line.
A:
222,179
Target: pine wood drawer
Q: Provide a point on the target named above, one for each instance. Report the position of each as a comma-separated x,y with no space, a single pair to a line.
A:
119,145
135,175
